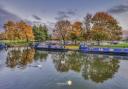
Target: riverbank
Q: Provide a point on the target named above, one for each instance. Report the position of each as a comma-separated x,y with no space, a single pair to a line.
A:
16,43
20,43
122,45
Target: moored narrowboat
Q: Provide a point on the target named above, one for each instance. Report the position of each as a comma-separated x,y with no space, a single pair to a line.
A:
84,48
2,46
49,47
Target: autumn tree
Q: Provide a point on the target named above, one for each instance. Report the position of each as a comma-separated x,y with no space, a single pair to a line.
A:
2,35
10,30
76,31
18,31
101,21
99,34
40,32
26,31
62,29
87,24
107,22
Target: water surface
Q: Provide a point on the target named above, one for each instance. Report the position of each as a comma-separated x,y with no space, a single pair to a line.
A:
25,68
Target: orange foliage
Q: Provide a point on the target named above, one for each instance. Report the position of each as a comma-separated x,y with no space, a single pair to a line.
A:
18,30
76,29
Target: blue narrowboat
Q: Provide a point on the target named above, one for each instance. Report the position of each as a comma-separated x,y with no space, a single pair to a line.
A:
2,45
84,48
49,47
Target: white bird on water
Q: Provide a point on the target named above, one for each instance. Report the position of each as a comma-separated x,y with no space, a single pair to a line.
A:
39,66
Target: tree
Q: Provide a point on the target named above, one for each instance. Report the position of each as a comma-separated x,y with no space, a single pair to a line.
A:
73,37
26,31
2,35
107,22
40,32
62,29
46,32
9,30
99,34
18,31
76,31
87,23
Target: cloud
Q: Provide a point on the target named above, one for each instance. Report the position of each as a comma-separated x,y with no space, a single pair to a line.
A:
1,6
71,12
36,17
61,13
65,14
50,23
118,9
61,17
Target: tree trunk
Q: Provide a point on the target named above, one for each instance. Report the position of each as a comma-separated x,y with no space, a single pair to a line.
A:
98,43
75,42
63,43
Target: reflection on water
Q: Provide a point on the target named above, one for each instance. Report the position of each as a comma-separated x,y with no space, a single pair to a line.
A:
68,61
42,56
21,57
90,67
99,70
95,69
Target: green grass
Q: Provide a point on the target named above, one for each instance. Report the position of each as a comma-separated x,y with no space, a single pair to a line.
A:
122,45
25,43
15,42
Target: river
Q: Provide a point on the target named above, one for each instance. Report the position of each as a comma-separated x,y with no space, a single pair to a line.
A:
25,68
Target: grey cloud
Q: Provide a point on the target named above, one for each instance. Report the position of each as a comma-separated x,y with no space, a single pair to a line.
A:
50,23
118,9
6,15
61,13
71,12
65,14
36,17
61,17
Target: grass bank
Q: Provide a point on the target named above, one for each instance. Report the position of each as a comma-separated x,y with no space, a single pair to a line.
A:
122,45
16,42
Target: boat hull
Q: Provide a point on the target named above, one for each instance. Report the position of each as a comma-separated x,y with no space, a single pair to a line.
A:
50,49
105,50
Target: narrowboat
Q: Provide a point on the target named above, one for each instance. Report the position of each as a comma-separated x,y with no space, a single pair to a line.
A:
49,47
84,48
2,46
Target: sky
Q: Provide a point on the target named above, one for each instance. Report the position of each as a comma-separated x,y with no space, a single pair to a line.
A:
49,11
